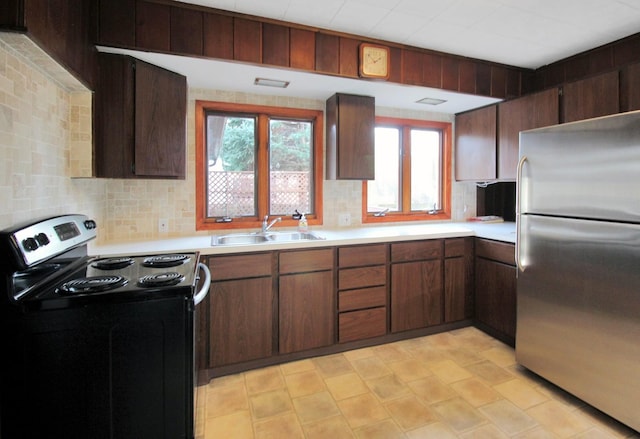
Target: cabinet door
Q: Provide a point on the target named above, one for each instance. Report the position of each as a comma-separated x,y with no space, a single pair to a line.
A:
307,311
350,137
475,145
630,88
416,295
592,97
241,321
496,296
458,279
533,111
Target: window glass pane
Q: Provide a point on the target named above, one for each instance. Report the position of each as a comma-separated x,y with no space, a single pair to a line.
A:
290,166
231,153
384,191
425,170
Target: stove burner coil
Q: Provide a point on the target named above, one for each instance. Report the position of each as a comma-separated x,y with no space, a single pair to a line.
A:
113,263
164,261
160,280
93,284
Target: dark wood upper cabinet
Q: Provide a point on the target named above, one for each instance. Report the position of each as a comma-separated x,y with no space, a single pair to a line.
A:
591,97
186,31
475,144
117,23
139,120
630,88
153,26
62,28
350,137
532,111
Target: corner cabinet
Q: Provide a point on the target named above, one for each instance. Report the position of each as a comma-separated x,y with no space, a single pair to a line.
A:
350,137
475,145
140,120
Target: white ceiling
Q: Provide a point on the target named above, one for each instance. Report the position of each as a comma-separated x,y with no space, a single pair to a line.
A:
524,33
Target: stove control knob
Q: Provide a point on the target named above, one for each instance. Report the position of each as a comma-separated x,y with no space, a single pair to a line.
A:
42,239
29,244
90,224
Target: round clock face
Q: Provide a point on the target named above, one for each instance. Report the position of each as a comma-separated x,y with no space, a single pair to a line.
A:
374,61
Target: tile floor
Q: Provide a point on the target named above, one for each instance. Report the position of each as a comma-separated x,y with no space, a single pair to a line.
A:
458,384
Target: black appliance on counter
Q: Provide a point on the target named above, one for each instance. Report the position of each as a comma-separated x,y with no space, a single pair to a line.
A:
94,347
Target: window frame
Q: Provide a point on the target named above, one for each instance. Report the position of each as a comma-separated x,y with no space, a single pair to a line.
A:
262,113
405,125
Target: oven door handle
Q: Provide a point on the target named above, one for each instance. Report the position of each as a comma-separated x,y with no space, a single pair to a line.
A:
200,295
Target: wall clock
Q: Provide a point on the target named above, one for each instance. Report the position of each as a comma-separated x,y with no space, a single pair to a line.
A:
374,61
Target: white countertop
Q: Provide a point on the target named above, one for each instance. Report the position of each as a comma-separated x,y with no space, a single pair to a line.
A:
343,236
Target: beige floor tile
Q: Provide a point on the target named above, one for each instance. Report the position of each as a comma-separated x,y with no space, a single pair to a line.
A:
216,383
304,383
475,392
536,433
388,387
485,432
335,427
607,424
314,407
428,355
473,339
297,367
508,417
386,429
463,357
409,370
362,410
431,390
558,420
280,427
264,380
593,433
409,413
520,393
449,372
235,425
227,399
444,340
266,404
502,355
332,365
357,354
458,414
345,386
436,430
392,352
371,367
489,372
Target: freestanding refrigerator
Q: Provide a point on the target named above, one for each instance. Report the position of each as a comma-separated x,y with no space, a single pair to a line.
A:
578,257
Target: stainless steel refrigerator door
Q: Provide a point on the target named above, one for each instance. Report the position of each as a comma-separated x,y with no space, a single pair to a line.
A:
579,310
586,169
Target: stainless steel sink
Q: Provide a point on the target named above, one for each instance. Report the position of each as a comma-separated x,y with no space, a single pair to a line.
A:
259,238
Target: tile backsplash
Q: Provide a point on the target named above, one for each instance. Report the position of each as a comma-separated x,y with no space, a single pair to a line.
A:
45,129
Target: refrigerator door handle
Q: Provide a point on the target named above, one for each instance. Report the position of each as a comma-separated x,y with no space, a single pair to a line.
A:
521,163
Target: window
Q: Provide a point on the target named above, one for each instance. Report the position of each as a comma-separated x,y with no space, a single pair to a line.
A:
413,172
256,161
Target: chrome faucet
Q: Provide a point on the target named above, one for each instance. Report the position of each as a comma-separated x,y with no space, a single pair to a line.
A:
265,226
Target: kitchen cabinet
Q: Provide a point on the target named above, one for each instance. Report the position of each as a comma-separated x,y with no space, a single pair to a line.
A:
475,144
458,279
495,295
241,308
140,120
591,97
362,292
350,137
630,88
306,299
532,111
416,284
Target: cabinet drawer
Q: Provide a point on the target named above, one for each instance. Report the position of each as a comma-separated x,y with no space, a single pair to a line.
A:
359,256
495,250
416,250
454,247
240,266
362,298
306,260
358,325
362,277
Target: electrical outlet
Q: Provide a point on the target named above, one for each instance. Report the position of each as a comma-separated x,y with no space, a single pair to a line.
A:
163,225
344,219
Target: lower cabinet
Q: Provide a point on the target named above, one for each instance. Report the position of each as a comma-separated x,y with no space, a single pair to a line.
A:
495,282
458,279
306,300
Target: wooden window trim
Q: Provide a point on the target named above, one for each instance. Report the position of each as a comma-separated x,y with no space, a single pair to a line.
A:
445,212
263,111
